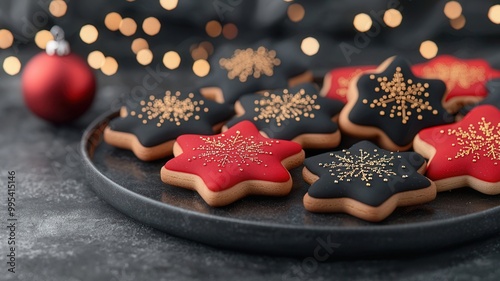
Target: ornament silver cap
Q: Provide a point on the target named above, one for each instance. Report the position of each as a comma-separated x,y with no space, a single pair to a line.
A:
58,46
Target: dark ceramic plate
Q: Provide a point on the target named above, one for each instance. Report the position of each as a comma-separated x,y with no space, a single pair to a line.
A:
279,226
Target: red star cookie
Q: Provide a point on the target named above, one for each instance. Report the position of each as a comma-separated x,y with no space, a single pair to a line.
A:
466,153
336,82
465,79
239,162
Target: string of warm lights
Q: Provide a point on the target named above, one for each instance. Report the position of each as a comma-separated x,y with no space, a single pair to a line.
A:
200,52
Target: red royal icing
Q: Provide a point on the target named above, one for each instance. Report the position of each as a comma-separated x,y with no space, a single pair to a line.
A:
237,155
469,147
462,77
340,79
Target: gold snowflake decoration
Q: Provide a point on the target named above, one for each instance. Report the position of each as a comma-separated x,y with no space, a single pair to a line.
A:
481,142
457,73
364,166
248,62
286,106
402,97
170,109
235,149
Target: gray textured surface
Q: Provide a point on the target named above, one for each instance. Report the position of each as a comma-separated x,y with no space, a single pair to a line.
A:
65,232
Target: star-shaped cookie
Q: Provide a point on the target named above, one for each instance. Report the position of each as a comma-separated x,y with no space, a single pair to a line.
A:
366,181
239,162
298,114
241,69
391,105
465,79
149,126
466,153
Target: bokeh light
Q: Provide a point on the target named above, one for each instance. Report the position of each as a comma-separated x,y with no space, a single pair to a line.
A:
494,14
452,10
6,39
171,60
96,59
89,34
169,4
139,44
310,46
458,23
110,66
11,65
201,68
393,18
112,21
362,22
144,56
428,49
128,27
296,12
230,31
42,37
58,8
151,26
213,28
199,53
208,47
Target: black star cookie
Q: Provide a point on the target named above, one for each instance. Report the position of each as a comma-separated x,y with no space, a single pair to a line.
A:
298,114
391,105
366,181
150,126
243,69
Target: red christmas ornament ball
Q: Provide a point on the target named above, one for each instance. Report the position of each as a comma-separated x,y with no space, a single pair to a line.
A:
57,88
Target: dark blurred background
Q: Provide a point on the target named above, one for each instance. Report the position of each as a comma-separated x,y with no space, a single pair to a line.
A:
194,29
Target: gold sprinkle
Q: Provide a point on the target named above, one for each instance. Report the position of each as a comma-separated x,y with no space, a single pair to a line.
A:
481,142
403,97
248,62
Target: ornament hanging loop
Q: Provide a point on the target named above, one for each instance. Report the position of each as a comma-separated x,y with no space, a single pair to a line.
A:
58,46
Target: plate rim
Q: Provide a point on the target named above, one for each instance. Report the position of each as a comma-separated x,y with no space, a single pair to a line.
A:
104,118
